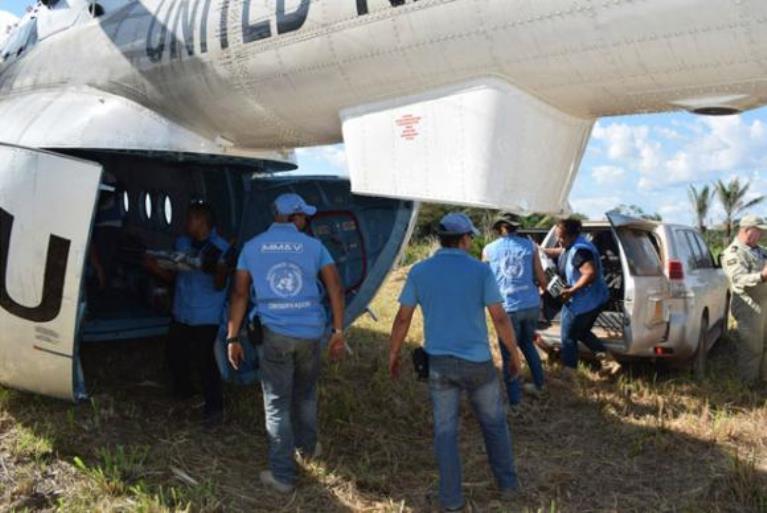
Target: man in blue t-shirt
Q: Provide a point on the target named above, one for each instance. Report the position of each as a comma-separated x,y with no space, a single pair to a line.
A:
283,270
453,290
519,274
198,301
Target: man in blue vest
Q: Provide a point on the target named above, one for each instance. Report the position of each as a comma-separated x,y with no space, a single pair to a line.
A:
198,302
585,295
284,270
519,274
453,290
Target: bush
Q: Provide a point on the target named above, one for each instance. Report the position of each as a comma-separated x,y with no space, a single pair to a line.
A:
430,214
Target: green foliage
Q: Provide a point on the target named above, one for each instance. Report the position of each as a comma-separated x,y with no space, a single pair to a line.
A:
637,211
117,470
419,250
29,443
430,214
715,239
700,200
732,196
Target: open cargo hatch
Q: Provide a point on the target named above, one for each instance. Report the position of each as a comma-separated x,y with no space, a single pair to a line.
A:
46,205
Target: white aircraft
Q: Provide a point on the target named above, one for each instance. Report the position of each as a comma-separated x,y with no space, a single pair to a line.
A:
475,102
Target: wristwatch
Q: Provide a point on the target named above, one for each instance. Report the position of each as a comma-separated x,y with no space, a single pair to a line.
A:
233,340
337,331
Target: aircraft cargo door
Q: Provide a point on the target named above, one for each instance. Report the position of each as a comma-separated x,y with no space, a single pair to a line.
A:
46,207
364,235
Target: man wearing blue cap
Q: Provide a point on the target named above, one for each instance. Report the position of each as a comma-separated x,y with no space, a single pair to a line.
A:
282,268
453,290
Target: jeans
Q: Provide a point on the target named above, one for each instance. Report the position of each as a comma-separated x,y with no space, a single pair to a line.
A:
448,377
524,322
290,369
191,347
577,328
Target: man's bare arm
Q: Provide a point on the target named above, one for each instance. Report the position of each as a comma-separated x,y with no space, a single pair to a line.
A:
238,306
540,276
553,252
332,280
505,331
588,276
399,330
165,275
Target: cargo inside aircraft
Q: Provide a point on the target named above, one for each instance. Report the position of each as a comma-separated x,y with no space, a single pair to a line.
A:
146,211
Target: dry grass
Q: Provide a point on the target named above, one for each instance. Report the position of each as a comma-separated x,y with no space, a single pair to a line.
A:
645,440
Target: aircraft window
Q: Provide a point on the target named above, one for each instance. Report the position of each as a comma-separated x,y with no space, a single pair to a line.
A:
96,10
147,206
126,202
21,39
167,210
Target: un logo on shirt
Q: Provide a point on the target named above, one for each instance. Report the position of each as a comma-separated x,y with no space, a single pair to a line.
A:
285,279
511,269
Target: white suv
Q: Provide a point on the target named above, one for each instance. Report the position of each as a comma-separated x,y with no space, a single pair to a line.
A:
667,295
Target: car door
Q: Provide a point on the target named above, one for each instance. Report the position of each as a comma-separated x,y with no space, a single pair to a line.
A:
713,283
646,287
46,207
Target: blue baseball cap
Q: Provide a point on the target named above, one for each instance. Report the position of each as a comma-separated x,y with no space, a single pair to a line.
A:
456,223
291,203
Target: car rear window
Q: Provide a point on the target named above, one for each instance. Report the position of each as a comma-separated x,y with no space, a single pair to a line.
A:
641,251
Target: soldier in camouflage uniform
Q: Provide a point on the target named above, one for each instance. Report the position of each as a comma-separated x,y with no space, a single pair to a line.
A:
745,264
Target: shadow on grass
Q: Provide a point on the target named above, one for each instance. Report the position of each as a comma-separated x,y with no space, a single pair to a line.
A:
645,440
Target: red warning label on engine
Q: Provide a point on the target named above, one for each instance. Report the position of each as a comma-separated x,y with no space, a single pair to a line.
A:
409,126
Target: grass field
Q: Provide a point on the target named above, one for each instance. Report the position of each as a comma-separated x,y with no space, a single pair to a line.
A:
643,440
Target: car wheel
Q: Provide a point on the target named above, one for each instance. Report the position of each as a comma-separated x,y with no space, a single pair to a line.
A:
701,353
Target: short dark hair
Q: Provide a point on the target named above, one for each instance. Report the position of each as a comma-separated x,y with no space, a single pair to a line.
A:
510,228
571,226
450,241
202,209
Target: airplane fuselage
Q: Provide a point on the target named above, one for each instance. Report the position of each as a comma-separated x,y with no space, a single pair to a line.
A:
276,74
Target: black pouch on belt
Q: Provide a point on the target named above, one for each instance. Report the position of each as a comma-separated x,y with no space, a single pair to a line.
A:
421,363
255,331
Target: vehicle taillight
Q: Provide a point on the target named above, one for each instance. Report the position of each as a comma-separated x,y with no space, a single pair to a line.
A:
675,270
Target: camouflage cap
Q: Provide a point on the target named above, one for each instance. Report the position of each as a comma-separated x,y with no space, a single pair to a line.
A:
752,221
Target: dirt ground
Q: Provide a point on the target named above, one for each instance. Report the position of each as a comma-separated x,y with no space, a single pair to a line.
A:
646,439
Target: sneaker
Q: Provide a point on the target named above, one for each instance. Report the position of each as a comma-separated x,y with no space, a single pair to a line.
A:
533,390
608,365
569,374
269,480
309,457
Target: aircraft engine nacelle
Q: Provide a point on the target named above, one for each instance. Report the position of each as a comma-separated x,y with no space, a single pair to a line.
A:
483,143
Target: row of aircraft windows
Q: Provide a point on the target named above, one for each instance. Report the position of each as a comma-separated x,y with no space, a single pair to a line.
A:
147,203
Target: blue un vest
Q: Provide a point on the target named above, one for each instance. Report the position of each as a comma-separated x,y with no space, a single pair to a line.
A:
592,296
196,300
511,260
284,265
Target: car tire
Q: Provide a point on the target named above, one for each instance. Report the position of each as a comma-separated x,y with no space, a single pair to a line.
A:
701,353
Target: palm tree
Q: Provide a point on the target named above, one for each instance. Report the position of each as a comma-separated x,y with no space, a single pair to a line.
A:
701,204
732,196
